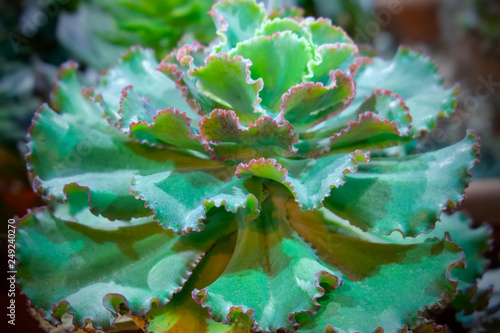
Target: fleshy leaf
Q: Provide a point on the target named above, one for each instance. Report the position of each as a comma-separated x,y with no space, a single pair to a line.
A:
326,101
280,60
228,139
474,242
237,91
382,121
272,274
76,150
82,268
236,21
273,26
416,79
379,278
177,65
340,56
406,193
309,180
138,68
183,314
180,200
323,32
156,127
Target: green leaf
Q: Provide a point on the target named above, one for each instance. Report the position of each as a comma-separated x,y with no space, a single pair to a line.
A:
416,79
380,279
307,103
275,25
183,61
272,274
237,91
138,68
406,193
77,150
323,32
147,125
180,200
309,180
475,243
383,120
230,140
236,21
329,57
183,314
280,60
102,266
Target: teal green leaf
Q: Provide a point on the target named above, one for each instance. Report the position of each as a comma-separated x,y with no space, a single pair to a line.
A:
383,120
77,150
279,24
328,57
183,314
323,32
228,139
100,266
475,242
379,278
326,101
138,68
236,21
280,60
177,65
237,91
416,79
156,127
309,180
272,274
406,193
180,200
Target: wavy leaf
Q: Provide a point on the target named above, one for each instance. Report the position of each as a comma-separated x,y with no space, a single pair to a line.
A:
280,60
183,314
77,150
237,91
406,193
328,57
180,200
183,61
236,21
228,139
311,180
416,79
156,127
326,101
323,32
272,274
379,278
68,266
137,67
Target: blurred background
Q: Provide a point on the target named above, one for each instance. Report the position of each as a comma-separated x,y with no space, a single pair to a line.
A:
461,36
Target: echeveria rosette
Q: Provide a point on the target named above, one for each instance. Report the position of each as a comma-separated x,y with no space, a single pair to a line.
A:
245,167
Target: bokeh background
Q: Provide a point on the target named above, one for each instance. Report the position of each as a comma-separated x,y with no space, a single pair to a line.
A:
461,36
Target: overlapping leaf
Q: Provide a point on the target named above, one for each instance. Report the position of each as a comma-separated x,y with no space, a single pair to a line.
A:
95,269
406,193
309,180
379,277
415,78
181,199
272,274
228,139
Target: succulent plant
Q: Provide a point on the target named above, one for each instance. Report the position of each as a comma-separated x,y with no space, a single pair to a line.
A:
108,28
230,188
